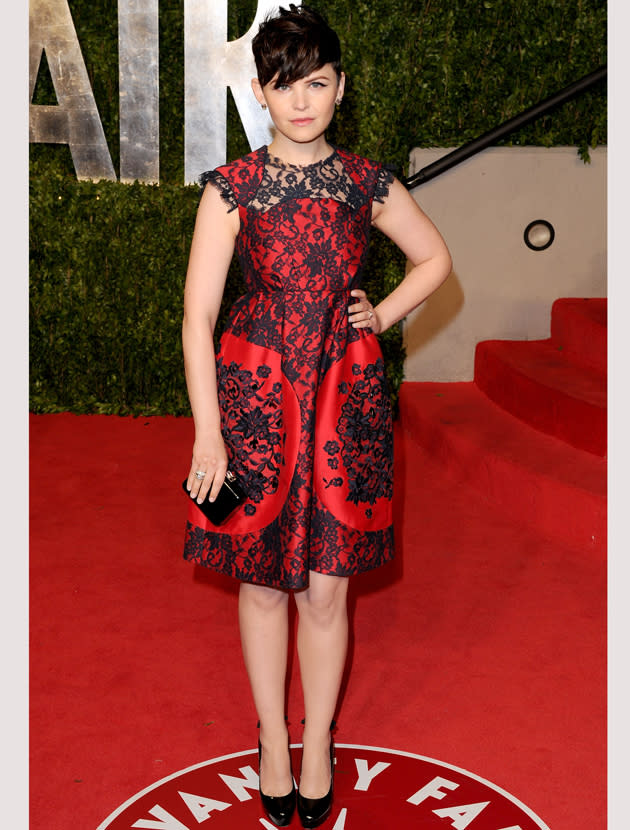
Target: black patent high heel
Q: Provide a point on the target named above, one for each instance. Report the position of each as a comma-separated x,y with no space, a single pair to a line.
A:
279,809
315,811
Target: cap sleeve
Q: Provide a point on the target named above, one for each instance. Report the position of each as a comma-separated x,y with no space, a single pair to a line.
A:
219,181
384,181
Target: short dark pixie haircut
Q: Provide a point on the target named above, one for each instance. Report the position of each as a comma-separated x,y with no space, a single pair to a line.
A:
293,44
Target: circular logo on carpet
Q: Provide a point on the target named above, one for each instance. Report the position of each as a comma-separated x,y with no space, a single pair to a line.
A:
374,788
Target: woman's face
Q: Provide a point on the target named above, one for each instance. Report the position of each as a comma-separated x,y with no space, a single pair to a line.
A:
302,110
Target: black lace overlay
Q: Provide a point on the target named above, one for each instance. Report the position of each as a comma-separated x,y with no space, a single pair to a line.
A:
223,186
281,182
253,420
360,428
326,179
305,410
383,183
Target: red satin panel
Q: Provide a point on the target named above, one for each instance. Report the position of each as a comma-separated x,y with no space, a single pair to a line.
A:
353,447
262,433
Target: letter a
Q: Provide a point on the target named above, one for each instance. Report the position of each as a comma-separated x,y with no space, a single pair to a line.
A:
75,121
463,814
201,807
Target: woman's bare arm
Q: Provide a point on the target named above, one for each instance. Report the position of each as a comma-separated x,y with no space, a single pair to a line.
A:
210,256
402,220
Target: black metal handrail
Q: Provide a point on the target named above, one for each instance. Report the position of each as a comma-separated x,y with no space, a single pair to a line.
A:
512,125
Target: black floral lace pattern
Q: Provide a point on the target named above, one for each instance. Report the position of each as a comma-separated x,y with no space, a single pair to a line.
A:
364,447
383,183
223,186
327,179
303,398
254,427
281,182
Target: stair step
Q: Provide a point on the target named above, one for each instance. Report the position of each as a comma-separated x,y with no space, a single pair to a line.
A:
532,478
539,384
580,327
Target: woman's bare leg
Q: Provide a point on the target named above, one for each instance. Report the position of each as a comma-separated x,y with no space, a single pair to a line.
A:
264,626
322,641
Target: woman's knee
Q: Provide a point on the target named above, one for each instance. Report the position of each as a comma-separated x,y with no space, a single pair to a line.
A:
325,599
262,598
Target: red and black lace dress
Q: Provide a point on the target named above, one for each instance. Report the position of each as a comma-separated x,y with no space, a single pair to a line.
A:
305,408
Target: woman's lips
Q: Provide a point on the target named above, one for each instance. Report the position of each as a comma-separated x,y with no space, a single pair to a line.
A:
301,122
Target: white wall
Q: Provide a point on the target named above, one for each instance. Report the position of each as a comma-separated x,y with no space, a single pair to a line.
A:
499,288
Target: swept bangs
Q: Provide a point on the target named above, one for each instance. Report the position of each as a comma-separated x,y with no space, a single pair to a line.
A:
294,44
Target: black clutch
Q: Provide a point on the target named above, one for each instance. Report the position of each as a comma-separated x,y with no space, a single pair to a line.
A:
231,495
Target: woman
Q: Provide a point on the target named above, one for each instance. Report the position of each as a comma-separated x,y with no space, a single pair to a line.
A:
295,402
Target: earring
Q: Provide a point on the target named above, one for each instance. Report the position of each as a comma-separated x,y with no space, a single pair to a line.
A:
338,102
264,106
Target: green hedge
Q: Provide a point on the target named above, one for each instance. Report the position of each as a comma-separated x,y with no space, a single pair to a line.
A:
108,260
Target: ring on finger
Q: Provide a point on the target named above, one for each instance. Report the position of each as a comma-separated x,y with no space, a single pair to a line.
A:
370,314
200,475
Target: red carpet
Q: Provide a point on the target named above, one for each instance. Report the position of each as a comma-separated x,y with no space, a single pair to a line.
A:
528,476
482,645
530,432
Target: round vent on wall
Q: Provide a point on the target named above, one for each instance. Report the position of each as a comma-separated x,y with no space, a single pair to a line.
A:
539,235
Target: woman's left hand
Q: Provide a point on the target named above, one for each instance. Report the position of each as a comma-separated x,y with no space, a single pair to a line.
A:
362,314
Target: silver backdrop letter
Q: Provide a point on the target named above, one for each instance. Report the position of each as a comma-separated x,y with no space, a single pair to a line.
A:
211,65
138,47
75,121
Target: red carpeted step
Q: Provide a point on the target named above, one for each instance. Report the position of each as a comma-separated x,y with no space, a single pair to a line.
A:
538,383
531,477
579,327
